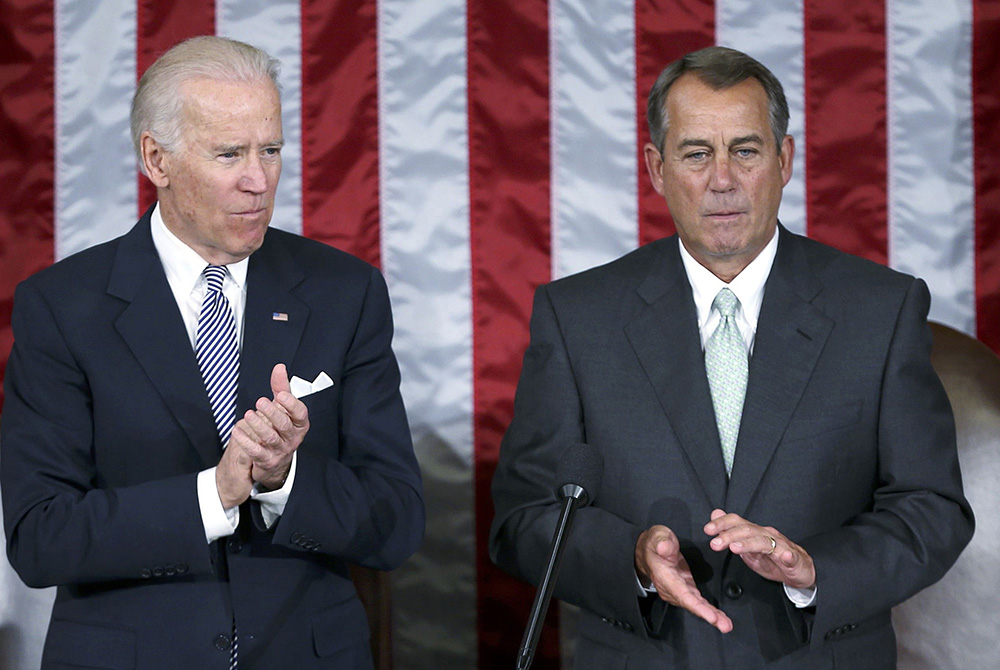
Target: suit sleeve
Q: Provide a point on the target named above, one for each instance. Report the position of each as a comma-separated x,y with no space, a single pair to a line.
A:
919,520
597,572
367,505
63,523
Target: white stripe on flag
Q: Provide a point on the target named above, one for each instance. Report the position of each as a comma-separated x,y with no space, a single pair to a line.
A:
772,32
424,205
931,188
593,126
275,27
95,169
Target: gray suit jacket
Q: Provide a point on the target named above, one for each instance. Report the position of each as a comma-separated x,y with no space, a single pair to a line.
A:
847,446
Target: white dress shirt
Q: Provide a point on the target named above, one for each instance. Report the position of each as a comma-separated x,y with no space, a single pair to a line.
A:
748,286
183,268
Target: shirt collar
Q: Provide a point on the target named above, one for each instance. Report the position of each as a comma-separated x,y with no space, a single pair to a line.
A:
182,264
748,285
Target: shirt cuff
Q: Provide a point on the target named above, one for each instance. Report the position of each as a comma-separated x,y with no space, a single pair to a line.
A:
272,503
801,597
218,522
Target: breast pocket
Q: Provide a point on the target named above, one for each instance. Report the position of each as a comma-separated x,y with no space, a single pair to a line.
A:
814,423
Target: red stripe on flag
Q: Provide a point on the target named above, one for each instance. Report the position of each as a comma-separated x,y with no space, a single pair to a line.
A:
845,152
510,242
340,189
161,25
27,159
986,129
665,30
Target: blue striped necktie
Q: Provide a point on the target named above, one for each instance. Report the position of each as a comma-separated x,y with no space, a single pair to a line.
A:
218,353
219,360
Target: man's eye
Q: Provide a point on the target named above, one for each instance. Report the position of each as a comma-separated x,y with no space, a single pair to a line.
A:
698,155
745,153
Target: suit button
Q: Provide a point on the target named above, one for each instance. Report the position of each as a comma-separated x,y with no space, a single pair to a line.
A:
181,568
734,590
157,572
221,643
627,626
295,537
145,573
235,545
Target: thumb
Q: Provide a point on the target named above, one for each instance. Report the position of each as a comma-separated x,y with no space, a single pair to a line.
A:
279,380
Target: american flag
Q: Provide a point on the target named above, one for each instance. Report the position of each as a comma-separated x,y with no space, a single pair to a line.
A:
474,149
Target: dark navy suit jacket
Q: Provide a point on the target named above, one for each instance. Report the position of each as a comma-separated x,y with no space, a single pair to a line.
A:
106,423
847,446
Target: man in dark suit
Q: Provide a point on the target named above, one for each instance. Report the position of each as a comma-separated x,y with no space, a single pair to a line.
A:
133,363
779,455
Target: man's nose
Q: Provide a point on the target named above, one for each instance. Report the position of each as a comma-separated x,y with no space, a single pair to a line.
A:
254,178
722,174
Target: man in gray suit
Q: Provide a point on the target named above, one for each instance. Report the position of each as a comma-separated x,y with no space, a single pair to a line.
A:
779,455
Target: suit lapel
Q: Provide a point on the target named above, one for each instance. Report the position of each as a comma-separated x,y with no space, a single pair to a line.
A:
791,334
664,335
267,340
152,328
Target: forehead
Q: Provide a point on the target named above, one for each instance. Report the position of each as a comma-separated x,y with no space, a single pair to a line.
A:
697,111
218,106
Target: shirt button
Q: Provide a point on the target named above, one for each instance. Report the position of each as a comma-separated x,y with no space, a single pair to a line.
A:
734,590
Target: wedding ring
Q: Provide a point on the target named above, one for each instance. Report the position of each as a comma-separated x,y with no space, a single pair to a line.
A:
774,545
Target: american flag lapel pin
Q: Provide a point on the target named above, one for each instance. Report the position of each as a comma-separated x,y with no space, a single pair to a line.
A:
279,316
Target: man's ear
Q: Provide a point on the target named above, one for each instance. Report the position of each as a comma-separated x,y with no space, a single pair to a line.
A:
654,165
156,160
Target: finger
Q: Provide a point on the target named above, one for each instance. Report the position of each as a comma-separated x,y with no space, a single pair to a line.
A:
294,408
279,380
244,448
257,426
721,521
759,543
278,419
687,596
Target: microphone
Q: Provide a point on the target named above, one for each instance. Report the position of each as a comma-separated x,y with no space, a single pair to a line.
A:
578,476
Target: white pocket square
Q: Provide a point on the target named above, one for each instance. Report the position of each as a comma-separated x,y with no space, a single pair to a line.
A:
301,388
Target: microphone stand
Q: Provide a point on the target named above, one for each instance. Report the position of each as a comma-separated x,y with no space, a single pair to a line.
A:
575,497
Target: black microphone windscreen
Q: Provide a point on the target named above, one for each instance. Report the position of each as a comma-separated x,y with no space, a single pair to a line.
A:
583,465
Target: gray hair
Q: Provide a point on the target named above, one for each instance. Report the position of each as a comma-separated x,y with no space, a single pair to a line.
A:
158,102
720,68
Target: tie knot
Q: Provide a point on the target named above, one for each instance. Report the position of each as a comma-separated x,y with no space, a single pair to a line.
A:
726,302
214,274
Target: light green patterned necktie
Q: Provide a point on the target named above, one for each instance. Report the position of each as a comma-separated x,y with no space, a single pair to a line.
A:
727,365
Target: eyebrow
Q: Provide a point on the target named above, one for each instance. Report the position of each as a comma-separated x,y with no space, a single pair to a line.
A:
752,138
226,148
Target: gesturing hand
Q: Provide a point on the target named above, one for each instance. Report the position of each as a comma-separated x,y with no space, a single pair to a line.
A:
764,550
658,559
272,432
